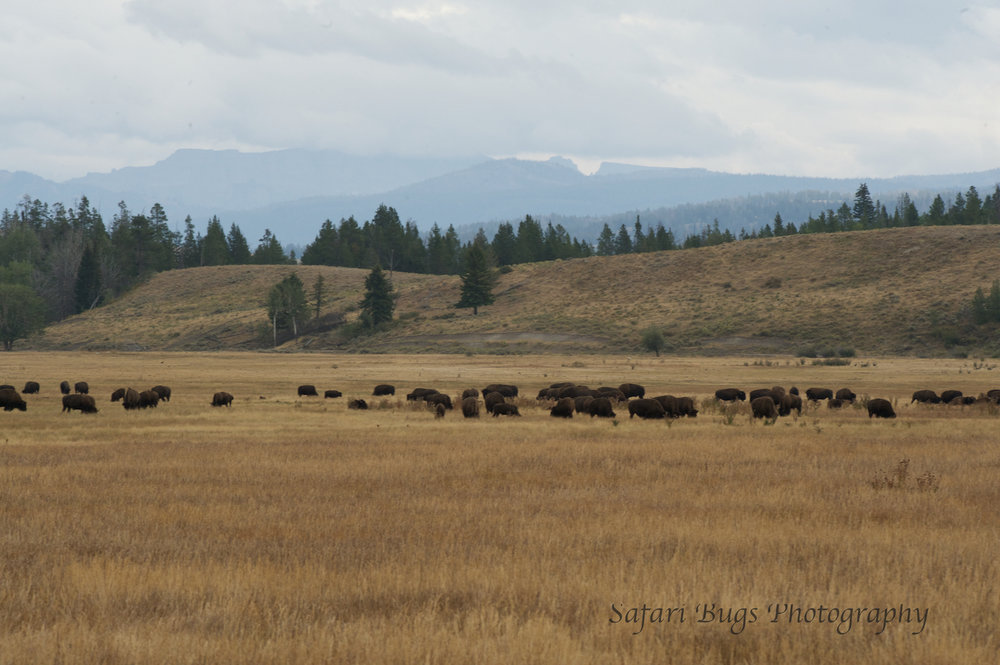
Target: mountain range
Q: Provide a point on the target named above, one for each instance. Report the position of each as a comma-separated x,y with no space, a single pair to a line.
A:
292,192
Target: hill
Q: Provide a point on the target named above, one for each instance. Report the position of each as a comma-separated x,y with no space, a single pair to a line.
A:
893,291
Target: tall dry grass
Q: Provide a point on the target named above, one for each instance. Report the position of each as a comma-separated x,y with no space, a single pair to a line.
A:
288,530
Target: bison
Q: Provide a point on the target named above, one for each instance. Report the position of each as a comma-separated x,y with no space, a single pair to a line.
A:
632,390
439,398
835,403
730,395
948,395
817,394
383,389
925,397
64,387
222,399
332,394
419,394
686,407
31,387
601,407
612,394
880,408
504,389
163,392
359,404
308,390
646,408
78,402
439,410
148,399
491,400
574,392
581,403
131,399
763,407
789,403
470,407
470,392
549,393
762,392
117,395
505,409
846,394
670,404
81,387
11,399
563,408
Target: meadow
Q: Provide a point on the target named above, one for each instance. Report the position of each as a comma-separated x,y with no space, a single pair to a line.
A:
293,530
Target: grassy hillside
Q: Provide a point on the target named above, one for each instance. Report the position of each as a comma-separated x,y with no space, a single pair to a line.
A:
895,291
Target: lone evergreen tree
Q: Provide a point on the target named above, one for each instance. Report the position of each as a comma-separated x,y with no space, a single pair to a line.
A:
478,279
379,301
653,340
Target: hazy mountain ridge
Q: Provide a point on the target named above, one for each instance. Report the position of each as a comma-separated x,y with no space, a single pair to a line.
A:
293,191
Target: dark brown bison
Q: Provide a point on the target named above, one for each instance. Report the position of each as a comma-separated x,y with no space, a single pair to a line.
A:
993,395
332,394
563,408
148,399
31,387
926,397
64,387
560,384
646,408
817,394
359,404
793,391
670,404
11,399
789,403
632,390
764,407
117,395
78,402
574,392
505,409
880,408
131,399
7,386
613,394
222,399
308,390
81,387
549,393
777,390
491,400
163,392
470,392
761,392
834,403
383,389
846,394
582,403
419,394
730,395
948,395
686,407
470,407
962,400
439,398
601,407
504,389
439,410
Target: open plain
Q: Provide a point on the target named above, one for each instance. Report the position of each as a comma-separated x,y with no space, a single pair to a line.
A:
288,529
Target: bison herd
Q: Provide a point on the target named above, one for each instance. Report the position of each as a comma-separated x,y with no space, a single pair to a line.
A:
563,400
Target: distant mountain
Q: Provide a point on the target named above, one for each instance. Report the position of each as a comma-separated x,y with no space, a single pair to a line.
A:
293,191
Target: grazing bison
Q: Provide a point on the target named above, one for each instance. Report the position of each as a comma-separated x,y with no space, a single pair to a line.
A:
131,399
948,395
763,407
505,409
962,400
439,398
612,394
222,399
117,395
420,394
163,392
504,389
574,392
926,397
383,389
148,399
470,407
789,403
78,402
357,404
549,393
11,399
563,408
993,395
686,407
777,390
817,394
730,395
646,408
793,390
632,390
835,403
308,390
439,410
670,404
64,387
470,392
31,388
492,400
762,392
846,394
81,387
601,407
332,394
880,408
581,403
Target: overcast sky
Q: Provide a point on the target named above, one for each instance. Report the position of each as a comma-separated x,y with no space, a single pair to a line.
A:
845,88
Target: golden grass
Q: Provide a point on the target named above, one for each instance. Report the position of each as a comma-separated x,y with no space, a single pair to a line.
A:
288,530
887,292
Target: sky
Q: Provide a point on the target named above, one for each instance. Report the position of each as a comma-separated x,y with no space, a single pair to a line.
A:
838,89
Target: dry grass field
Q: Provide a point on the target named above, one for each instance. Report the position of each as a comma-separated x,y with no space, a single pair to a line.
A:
887,292
292,530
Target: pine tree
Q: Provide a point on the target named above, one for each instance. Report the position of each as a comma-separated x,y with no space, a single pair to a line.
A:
606,242
864,209
623,243
318,295
87,290
478,279
379,300
239,249
214,250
